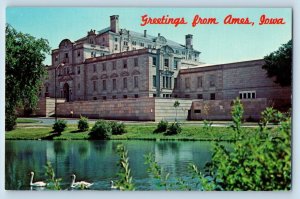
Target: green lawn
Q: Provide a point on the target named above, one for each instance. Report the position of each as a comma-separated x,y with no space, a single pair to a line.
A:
137,132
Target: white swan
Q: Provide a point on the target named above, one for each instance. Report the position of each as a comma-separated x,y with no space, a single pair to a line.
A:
81,184
112,186
36,184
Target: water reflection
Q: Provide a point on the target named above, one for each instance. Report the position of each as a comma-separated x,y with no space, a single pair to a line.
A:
96,161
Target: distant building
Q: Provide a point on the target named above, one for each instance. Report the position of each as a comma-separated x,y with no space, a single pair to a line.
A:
115,64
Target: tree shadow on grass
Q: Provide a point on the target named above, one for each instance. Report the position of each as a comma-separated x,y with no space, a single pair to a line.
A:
51,136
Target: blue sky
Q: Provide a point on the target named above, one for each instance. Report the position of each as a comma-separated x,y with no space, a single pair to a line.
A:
217,43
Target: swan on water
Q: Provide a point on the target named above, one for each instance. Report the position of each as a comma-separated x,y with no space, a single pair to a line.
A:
81,184
36,184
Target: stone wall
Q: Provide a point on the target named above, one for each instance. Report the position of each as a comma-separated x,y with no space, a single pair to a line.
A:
165,110
221,109
46,106
139,109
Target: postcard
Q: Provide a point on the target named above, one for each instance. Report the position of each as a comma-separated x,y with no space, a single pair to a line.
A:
147,99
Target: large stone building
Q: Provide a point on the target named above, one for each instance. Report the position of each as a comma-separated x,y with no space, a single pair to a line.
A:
116,64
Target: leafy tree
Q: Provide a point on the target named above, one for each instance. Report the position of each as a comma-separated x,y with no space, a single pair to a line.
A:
24,72
176,105
279,64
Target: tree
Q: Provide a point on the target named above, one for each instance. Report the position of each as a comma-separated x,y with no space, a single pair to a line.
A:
176,105
24,72
279,64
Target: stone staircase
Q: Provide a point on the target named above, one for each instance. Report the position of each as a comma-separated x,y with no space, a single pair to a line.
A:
165,110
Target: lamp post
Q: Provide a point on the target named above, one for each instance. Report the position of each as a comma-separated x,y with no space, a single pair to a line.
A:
59,65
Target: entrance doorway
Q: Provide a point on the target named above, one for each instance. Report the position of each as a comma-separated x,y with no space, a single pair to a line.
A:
66,92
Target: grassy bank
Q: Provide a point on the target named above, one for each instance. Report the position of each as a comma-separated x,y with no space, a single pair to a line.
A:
134,132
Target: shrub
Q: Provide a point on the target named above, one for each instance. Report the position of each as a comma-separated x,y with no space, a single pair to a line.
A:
173,129
117,128
101,130
59,126
161,127
10,121
258,162
83,124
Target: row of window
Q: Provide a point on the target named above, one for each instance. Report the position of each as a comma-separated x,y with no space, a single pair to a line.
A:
114,84
114,65
211,78
247,94
115,97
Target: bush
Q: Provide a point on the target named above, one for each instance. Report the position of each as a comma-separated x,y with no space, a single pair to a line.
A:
10,121
59,126
101,130
161,127
173,129
83,124
117,128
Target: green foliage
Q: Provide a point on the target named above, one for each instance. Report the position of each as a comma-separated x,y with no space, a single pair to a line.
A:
124,181
59,126
256,163
161,127
207,125
206,184
83,124
156,172
173,129
271,115
52,182
237,112
101,130
118,128
24,72
10,119
279,64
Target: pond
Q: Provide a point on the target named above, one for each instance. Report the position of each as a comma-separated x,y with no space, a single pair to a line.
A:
96,161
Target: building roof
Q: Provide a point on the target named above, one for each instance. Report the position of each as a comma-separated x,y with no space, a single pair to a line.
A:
138,35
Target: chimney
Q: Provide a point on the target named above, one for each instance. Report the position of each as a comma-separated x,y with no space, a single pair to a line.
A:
114,23
189,41
145,33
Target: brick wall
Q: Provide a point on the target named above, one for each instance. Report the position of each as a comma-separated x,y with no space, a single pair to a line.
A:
140,109
221,109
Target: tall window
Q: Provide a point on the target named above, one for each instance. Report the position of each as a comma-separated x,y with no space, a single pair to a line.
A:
154,61
187,82
212,96
116,47
94,85
212,80
135,62
78,86
136,82
175,64
142,44
104,84
125,82
164,82
104,67
78,70
175,82
154,81
166,62
124,63
114,84
114,65
94,68
199,82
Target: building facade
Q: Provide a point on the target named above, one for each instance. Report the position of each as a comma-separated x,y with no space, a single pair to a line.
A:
120,64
